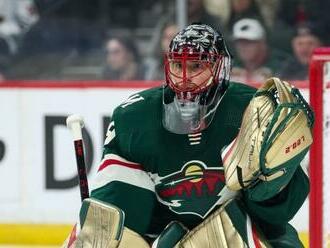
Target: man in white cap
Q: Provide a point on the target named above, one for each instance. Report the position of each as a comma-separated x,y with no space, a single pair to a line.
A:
254,61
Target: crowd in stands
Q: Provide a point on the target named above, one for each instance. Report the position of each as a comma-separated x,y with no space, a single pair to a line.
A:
123,61
125,40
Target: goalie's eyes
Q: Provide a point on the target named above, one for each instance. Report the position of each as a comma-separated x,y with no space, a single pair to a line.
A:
190,66
177,66
197,67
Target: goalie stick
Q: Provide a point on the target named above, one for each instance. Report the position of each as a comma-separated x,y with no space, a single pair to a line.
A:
75,123
100,224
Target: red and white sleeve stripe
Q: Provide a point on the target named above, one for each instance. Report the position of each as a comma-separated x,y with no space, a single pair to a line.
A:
115,168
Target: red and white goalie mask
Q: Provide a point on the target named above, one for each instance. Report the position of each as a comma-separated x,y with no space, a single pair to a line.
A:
197,70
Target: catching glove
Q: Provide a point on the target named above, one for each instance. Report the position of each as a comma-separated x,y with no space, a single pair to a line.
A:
274,137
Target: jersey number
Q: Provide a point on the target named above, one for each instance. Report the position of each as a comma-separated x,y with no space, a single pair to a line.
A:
132,99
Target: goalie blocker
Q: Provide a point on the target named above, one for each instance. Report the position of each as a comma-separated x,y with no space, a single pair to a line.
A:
274,137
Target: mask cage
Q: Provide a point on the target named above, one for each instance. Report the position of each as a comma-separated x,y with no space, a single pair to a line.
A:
189,73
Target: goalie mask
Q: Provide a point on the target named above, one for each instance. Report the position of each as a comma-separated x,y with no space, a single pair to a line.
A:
197,69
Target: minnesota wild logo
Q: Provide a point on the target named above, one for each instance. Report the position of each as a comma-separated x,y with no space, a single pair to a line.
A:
195,189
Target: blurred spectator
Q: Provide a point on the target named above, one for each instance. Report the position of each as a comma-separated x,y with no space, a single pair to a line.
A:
289,15
63,26
307,37
52,44
61,36
198,13
16,17
230,11
123,61
295,12
77,9
156,63
255,60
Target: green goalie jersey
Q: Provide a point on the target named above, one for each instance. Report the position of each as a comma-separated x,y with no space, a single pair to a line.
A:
156,176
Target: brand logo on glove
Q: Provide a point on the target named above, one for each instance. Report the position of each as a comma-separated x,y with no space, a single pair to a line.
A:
192,190
294,145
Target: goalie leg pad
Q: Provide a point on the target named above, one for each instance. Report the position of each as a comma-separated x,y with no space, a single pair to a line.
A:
227,227
132,239
102,226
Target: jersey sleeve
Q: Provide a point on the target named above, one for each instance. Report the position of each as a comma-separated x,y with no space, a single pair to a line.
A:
282,207
124,183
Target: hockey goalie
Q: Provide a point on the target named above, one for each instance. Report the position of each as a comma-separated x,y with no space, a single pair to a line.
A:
201,161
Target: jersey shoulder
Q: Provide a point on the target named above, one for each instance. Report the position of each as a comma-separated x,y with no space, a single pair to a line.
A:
233,104
138,110
236,89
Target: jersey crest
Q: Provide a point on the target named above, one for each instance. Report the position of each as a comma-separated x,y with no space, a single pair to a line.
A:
195,189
